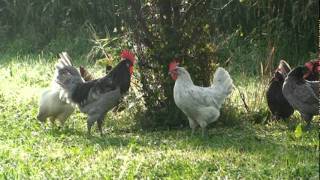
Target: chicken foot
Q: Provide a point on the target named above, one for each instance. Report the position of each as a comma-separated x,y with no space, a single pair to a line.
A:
204,132
91,120
100,122
308,119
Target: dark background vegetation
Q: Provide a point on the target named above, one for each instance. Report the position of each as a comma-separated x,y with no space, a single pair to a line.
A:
242,35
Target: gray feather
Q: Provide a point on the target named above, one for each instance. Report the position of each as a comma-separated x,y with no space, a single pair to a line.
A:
302,95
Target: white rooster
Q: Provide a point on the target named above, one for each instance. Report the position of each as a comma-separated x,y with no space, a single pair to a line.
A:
200,104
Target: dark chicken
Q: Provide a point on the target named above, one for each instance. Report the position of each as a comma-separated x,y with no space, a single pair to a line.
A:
277,103
303,95
96,97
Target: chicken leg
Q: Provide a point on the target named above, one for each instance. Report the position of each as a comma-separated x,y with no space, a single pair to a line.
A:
193,125
100,122
90,123
204,132
91,119
307,118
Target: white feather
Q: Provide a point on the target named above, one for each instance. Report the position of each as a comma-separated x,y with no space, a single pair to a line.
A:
201,104
54,103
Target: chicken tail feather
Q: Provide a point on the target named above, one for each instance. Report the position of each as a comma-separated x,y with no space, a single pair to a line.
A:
85,74
222,77
67,76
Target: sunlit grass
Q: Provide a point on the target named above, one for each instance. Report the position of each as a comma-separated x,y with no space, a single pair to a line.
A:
237,150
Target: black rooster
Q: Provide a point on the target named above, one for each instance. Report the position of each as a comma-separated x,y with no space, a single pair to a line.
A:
95,97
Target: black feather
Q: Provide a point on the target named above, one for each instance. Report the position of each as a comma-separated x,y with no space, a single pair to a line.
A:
82,91
118,77
297,74
278,104
313,76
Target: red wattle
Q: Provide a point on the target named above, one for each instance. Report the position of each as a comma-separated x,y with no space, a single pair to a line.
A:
131,70
174,76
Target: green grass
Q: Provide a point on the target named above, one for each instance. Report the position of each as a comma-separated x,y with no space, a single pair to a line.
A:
237,150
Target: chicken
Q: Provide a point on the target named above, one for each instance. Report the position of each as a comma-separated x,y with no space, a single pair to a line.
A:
314,70
201,105
54,108
303,95
277,103
95,98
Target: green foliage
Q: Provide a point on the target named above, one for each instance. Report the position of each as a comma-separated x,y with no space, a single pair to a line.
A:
290,26
249,36
235,148
42,22
48,17
162,31
257,26
239,35
106,47
245,36
298,131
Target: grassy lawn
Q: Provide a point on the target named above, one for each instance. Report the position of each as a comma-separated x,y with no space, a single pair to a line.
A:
241,150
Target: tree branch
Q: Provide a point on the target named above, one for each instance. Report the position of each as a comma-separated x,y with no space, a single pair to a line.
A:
224,6
148,37
191,8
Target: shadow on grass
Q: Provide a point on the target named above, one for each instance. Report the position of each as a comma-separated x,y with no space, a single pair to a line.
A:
82,137
242,138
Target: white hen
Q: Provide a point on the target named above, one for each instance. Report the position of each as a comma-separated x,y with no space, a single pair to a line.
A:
54,107
200,104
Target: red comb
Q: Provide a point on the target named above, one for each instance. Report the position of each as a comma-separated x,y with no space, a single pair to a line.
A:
313,65
309,65
173,65
126,54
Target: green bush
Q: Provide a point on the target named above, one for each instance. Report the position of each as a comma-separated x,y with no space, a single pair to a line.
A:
248,37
